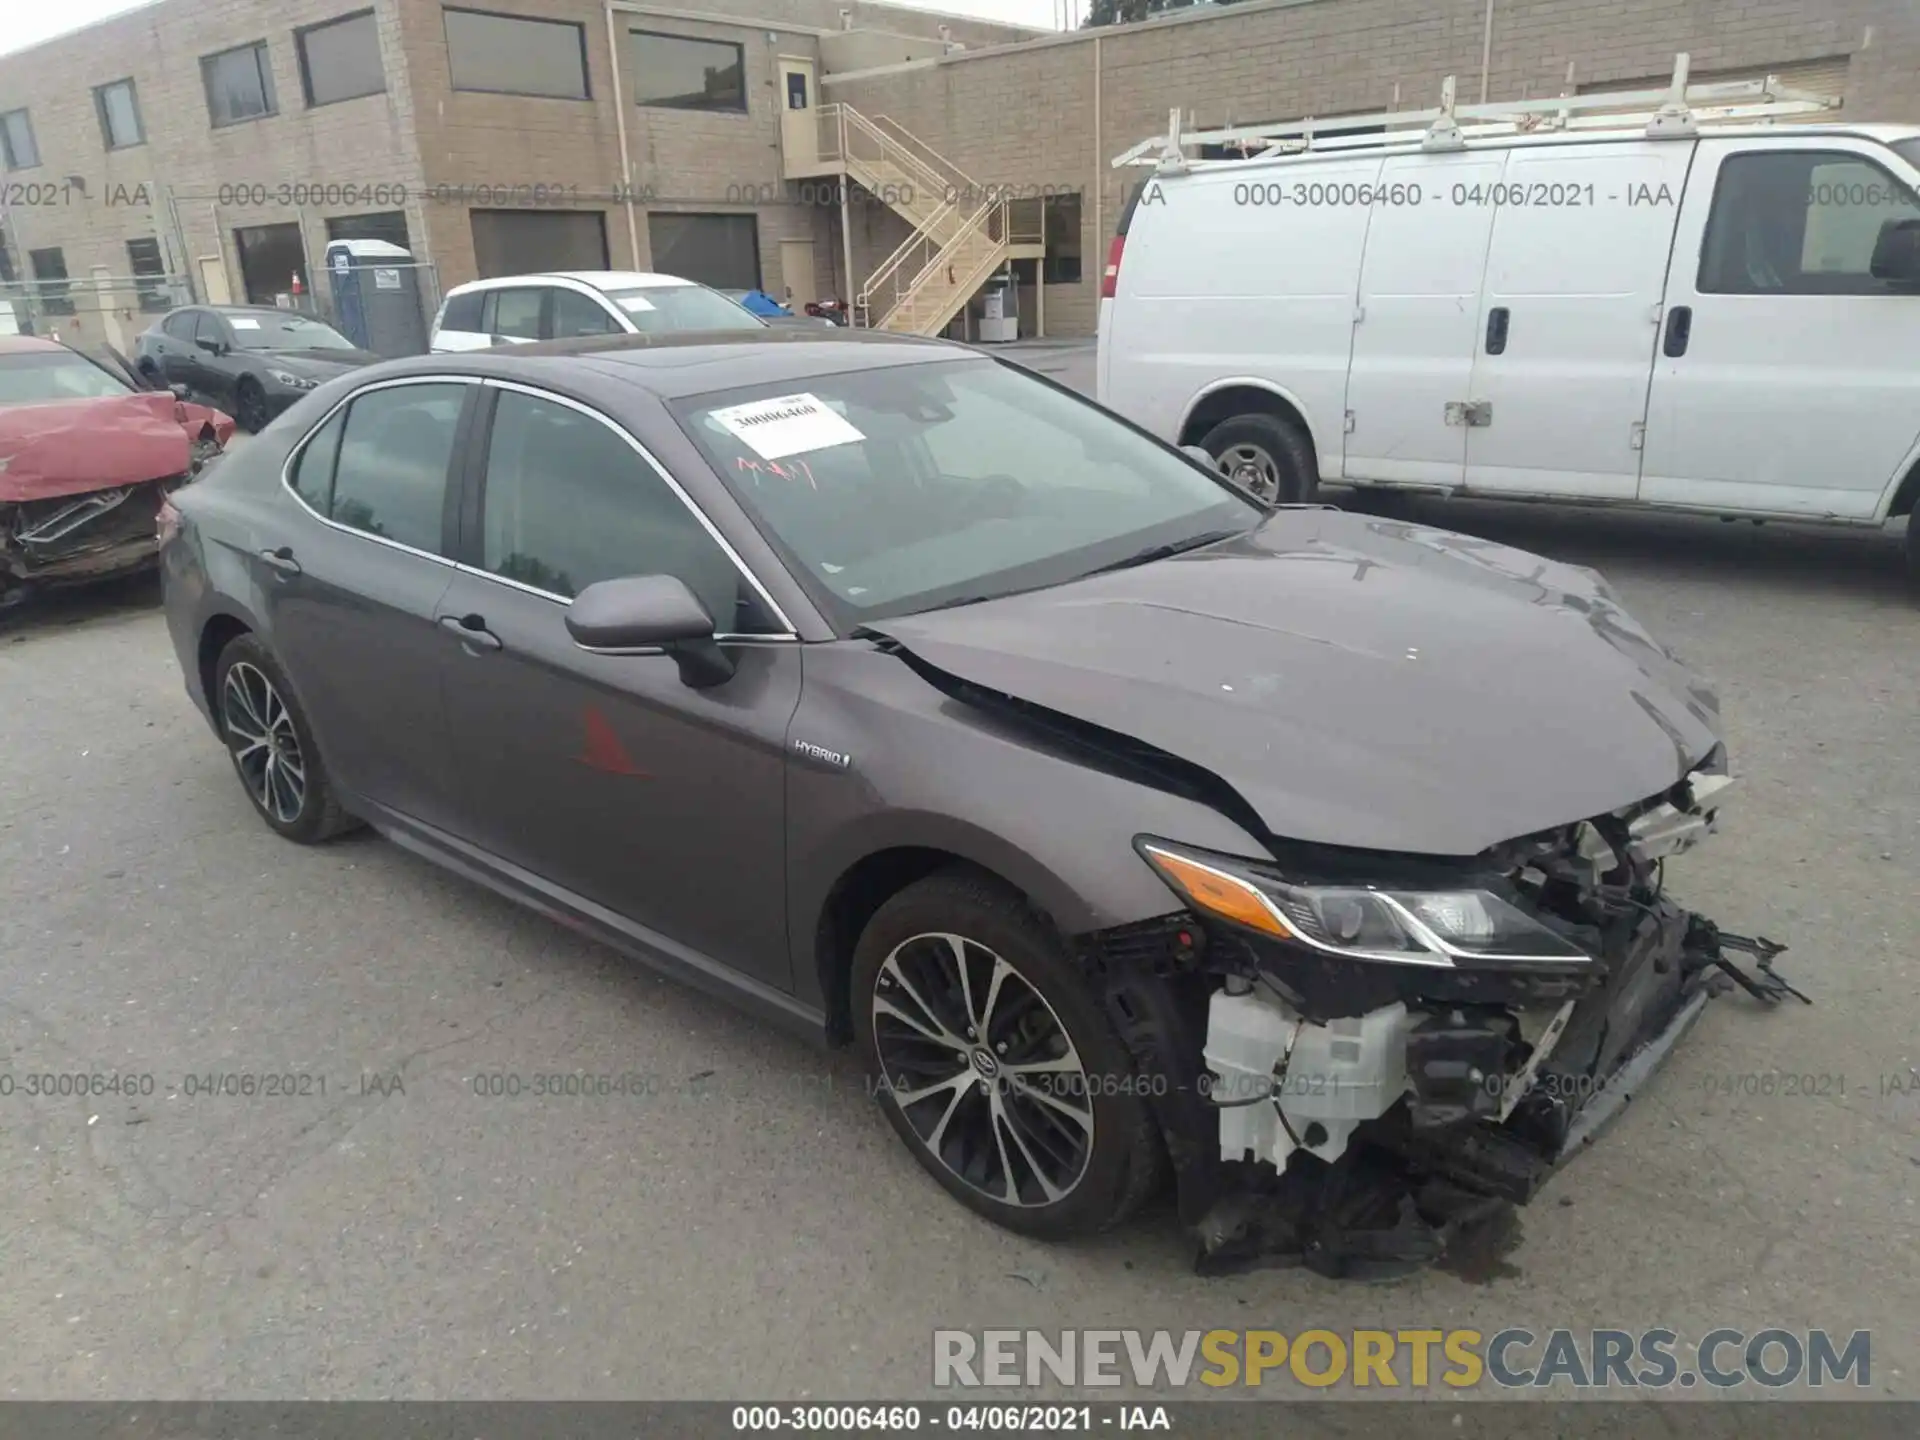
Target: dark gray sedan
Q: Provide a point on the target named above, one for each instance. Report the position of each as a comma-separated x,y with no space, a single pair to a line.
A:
1126,825
252,361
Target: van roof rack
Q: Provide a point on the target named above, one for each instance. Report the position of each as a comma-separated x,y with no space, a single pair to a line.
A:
1673,113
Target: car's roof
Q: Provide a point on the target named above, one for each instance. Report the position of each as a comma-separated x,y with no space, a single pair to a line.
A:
673,365
598,279
28,345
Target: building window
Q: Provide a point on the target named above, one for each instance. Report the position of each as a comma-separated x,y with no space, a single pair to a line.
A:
118,107
514,55
676,72
1060,219
239,84
523,242
340,59
50,279
16,141
149,274
718,250
387,225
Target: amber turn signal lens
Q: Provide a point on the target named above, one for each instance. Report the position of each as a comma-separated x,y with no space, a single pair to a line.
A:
1215,892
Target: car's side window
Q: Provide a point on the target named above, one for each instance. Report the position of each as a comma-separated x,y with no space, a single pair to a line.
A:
463,313
1800,222
514,314
207,326
577,314
570,502
390,478
179,326
312,472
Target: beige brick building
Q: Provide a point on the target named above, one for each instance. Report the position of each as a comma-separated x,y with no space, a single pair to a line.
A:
256,130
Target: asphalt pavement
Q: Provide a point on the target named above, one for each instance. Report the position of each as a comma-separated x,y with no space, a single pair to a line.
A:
379,1221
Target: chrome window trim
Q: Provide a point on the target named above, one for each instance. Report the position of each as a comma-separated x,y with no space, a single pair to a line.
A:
787,631
300,448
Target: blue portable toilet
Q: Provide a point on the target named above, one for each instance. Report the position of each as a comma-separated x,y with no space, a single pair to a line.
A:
376,296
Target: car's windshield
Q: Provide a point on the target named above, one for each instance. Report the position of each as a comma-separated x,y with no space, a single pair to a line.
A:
681,307
901,489
264,330
54,375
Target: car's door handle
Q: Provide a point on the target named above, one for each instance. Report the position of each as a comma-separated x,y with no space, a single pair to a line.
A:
281,560
1497,330
471,631
1679,331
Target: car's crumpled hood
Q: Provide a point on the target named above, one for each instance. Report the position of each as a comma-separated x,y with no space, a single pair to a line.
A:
1359,682
316,364
71,447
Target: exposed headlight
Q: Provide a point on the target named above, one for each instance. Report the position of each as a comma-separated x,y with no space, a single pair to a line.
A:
1361,922
291,380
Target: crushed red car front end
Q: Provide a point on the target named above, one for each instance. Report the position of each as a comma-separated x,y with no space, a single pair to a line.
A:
82,483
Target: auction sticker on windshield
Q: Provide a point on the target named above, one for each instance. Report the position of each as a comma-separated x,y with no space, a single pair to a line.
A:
786,425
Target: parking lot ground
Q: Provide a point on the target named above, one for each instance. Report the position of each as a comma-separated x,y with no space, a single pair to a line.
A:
742,1223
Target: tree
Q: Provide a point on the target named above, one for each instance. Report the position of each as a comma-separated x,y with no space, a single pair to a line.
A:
1125,12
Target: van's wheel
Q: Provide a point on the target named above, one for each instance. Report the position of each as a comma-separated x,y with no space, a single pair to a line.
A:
988,1051
1266,456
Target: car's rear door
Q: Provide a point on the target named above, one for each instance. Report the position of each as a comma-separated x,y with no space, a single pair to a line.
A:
352,582
606,775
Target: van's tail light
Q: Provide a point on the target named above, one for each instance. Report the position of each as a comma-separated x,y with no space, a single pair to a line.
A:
1110,277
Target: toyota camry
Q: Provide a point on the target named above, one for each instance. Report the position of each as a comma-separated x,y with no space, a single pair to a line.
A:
1128,827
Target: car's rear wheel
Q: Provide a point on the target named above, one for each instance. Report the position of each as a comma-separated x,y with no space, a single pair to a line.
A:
1265,456
272,746
250,406
990,1056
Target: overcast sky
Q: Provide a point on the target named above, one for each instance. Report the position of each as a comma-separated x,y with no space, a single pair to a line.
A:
23,24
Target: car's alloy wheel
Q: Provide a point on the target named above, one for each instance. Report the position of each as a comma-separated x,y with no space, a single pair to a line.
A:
983,1070
266,749
252,407
987,1045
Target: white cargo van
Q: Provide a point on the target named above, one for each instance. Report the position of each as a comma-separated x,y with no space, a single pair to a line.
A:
1698,309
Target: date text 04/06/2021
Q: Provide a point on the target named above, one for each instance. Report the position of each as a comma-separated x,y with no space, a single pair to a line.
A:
1016,1419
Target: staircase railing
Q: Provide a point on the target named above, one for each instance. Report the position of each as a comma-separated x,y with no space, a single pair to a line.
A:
988,226
958,181
895,275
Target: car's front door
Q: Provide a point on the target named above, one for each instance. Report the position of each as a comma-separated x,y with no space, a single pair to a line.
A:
210,364
607,775
574,315
1788,375
352,582
516,316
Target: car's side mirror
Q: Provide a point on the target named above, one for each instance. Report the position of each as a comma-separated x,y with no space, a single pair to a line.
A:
212,347
1896,254
639,614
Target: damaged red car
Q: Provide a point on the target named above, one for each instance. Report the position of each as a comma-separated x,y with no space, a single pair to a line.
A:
87,457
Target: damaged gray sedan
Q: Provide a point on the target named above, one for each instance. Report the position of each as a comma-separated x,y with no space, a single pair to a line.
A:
1128,827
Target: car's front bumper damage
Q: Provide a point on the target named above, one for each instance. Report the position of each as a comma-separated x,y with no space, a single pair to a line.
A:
1367,1118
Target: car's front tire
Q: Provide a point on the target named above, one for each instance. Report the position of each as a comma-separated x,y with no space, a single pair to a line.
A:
272,747
988,1051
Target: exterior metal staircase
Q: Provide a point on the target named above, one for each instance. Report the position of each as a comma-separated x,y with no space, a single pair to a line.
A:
961,236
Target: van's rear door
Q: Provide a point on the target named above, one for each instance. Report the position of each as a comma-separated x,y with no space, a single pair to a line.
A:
1244,275
1417,321
1569,313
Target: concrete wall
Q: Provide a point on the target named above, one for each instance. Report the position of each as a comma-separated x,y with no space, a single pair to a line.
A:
420,134
208,171
1025,117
